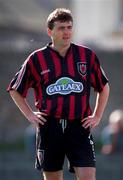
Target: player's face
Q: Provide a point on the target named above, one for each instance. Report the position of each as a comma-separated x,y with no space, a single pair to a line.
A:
61,34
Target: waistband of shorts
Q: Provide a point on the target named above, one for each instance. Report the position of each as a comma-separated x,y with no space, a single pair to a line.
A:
57,119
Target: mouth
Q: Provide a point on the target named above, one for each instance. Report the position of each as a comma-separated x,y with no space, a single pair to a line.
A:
66,38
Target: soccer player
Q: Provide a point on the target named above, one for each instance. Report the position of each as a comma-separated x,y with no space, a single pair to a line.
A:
62,74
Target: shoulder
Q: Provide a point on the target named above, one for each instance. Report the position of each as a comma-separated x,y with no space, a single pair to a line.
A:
82,47
38,51
32,55
85,51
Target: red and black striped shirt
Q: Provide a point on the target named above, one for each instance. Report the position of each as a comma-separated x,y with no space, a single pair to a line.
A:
61,84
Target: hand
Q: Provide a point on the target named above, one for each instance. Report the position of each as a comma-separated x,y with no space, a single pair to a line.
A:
90,122
37,118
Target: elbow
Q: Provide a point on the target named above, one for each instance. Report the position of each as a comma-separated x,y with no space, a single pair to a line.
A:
11,92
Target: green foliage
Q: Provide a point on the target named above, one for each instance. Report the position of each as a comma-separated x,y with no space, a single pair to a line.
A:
17,145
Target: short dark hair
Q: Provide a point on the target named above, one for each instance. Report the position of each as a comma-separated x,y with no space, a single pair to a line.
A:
59,14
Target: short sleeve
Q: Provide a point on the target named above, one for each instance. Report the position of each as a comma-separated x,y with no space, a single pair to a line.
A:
98,77
23,79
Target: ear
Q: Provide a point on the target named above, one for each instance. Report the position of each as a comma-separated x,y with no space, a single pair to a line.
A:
49,32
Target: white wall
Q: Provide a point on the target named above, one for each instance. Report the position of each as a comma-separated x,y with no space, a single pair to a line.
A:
94,18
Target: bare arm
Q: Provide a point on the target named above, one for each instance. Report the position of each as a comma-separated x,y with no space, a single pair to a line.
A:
100,105
34,117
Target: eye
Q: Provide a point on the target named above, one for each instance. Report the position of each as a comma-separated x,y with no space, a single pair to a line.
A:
61,28
70,27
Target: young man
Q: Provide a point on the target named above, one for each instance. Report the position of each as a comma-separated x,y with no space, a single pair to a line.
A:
61,75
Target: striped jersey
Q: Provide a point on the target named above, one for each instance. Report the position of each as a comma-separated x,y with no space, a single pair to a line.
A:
61,84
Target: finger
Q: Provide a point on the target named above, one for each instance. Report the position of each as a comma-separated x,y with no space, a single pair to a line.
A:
86,124
40,116
40,121
42,113
83,119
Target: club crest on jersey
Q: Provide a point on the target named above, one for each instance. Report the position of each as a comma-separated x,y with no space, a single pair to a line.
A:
64,86
82,68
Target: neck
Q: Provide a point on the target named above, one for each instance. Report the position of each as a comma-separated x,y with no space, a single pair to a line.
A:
61,49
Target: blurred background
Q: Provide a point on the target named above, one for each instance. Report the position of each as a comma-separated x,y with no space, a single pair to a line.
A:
97,24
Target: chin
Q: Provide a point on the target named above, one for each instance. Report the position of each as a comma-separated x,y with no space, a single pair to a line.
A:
66,43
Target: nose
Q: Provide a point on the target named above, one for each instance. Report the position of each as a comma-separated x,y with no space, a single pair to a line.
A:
66,31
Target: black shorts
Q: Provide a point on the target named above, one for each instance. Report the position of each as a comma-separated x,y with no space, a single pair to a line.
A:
59,138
